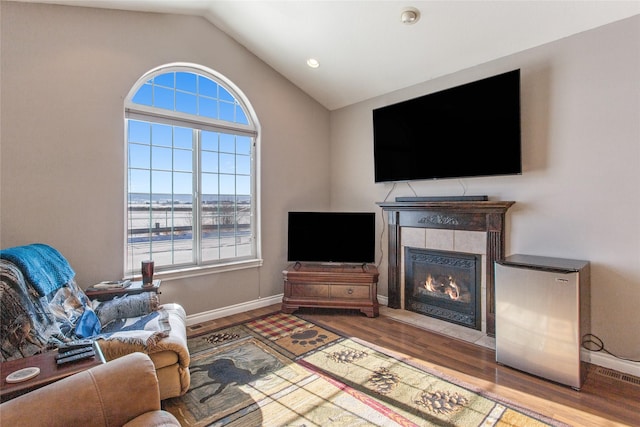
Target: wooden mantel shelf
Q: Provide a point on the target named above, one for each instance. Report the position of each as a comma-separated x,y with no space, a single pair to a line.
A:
461,206
486,216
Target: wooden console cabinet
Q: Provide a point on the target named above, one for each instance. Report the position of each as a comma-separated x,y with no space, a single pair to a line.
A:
331,286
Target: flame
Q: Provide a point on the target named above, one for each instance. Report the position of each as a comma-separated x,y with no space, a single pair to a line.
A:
451,289
429,284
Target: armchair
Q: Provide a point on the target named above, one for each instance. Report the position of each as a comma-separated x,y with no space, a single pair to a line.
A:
119,393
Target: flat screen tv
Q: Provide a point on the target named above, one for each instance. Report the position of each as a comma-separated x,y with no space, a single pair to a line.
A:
331,237
470,130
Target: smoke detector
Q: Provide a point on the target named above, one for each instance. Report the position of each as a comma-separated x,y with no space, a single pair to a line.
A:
410,15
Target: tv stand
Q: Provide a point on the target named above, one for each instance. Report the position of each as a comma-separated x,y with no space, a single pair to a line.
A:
352,286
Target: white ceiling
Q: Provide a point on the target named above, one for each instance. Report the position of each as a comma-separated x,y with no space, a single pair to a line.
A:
363,48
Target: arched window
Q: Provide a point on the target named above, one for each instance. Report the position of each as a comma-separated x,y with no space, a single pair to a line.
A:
191,162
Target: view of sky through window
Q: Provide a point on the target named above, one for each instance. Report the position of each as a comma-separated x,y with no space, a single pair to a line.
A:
161,158
192,94
190,173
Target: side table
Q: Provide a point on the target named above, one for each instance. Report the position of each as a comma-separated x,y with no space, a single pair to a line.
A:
49,371
134,288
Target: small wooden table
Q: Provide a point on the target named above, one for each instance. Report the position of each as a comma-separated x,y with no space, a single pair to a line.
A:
49,371
134,288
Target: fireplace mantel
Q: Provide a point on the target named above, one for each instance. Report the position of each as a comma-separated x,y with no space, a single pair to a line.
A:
486,216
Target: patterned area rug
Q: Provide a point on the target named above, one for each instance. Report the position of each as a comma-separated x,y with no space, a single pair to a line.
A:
281,370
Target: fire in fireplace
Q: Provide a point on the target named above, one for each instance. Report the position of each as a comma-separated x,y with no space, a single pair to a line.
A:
445,285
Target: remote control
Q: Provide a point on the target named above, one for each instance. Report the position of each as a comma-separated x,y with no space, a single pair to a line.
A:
74,352
85,355
64,347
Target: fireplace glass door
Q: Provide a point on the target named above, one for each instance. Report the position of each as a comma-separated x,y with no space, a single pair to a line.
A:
445,285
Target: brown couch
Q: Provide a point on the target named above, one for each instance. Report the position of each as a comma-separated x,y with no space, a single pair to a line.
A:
123,392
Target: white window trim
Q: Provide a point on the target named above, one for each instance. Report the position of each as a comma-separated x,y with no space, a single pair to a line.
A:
203,270
161,115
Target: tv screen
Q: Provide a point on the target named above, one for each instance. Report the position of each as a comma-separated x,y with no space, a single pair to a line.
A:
465,131
340,237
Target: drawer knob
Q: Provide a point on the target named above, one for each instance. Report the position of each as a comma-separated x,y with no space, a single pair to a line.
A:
350,291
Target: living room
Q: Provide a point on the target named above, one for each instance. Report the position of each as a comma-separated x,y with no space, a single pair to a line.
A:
67,70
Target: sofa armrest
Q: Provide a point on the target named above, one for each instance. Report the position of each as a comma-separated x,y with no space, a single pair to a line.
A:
112,394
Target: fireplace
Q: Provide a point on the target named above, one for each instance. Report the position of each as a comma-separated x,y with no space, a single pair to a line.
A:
453,217
445,285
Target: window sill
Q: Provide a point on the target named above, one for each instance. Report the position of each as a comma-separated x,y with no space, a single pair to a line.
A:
184,273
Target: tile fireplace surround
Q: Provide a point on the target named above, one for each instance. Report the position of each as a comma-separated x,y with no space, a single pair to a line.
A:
462,226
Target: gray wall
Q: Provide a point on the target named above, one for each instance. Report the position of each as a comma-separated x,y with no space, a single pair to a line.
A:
65,74
579,195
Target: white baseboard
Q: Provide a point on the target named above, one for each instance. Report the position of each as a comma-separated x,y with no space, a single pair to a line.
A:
595,358
607,361
245,306
233,309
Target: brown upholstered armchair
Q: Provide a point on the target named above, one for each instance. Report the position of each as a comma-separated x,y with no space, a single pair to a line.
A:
123,392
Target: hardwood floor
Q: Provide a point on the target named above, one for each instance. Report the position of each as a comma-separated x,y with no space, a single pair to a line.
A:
602,401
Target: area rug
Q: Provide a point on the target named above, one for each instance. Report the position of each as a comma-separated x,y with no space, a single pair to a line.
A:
281,370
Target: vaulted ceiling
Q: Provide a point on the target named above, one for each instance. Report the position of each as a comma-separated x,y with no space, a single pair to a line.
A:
365,50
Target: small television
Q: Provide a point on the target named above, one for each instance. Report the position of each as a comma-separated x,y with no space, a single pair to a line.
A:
331,237
470,130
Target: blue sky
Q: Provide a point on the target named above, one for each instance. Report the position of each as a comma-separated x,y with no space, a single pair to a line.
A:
161,156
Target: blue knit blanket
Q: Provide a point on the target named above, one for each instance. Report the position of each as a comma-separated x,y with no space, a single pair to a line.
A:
43,266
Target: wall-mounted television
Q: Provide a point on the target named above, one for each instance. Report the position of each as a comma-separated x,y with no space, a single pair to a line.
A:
331,237
470,130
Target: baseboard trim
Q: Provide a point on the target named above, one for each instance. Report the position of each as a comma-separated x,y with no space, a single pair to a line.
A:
595,358
611,362
206,316
232,309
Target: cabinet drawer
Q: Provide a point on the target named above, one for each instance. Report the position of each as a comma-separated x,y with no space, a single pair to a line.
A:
349,292
309,290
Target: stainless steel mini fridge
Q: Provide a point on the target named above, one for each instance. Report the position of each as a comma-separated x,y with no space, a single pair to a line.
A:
542,313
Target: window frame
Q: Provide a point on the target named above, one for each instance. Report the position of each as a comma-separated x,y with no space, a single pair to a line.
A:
134,111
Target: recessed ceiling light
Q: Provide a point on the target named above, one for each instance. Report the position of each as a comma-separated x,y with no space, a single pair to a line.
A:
410,15
313,63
